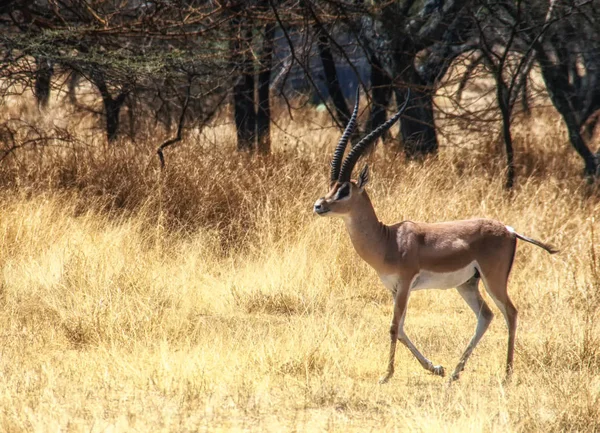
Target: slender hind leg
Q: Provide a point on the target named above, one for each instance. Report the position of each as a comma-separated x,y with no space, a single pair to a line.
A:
495,270
470,293
497,291
510,315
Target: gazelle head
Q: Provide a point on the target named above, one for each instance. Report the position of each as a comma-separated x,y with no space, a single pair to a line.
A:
344,193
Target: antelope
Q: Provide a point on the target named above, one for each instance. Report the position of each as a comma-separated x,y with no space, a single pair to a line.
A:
411,256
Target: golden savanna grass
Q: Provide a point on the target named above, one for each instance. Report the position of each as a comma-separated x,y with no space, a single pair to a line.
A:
209,298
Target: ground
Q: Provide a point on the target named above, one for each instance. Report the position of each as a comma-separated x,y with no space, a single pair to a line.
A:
207,297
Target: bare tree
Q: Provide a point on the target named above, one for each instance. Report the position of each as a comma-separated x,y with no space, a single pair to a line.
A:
569,59
263,112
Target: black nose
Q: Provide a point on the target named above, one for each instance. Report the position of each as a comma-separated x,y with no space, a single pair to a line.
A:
319,209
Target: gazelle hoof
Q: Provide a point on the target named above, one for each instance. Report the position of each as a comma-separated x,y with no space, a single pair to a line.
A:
438,370
386,378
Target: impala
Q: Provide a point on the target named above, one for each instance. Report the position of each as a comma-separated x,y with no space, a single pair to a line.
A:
410,256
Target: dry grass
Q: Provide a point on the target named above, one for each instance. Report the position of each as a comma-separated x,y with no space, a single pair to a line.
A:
209,297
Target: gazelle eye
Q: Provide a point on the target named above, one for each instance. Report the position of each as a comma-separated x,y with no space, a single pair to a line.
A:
343,192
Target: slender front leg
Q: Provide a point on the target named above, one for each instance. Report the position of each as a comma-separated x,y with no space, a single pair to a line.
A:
400,301
438,370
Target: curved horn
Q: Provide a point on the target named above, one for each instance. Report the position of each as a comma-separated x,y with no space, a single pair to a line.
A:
336,162
360,147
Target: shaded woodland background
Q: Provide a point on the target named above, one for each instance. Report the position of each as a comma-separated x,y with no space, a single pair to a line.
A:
138,65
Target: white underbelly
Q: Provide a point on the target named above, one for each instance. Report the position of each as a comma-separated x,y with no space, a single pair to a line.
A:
443,280
433,280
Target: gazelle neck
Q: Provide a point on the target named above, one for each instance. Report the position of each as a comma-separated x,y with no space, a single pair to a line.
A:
366,232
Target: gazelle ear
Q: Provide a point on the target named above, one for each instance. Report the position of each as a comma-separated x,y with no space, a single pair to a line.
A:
363,177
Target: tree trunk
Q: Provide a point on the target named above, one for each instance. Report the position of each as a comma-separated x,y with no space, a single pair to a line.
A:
417,126
112,110
72,87
112,106
43,76
589,127
245,116
263,115
589,159
131,114
331,77
503,98
381,92
561,93
574,129
243,90
525,104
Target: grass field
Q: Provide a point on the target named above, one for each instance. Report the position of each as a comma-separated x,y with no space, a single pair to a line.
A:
209,298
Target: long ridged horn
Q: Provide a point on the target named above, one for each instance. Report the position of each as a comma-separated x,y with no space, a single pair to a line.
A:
338,154
360,147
